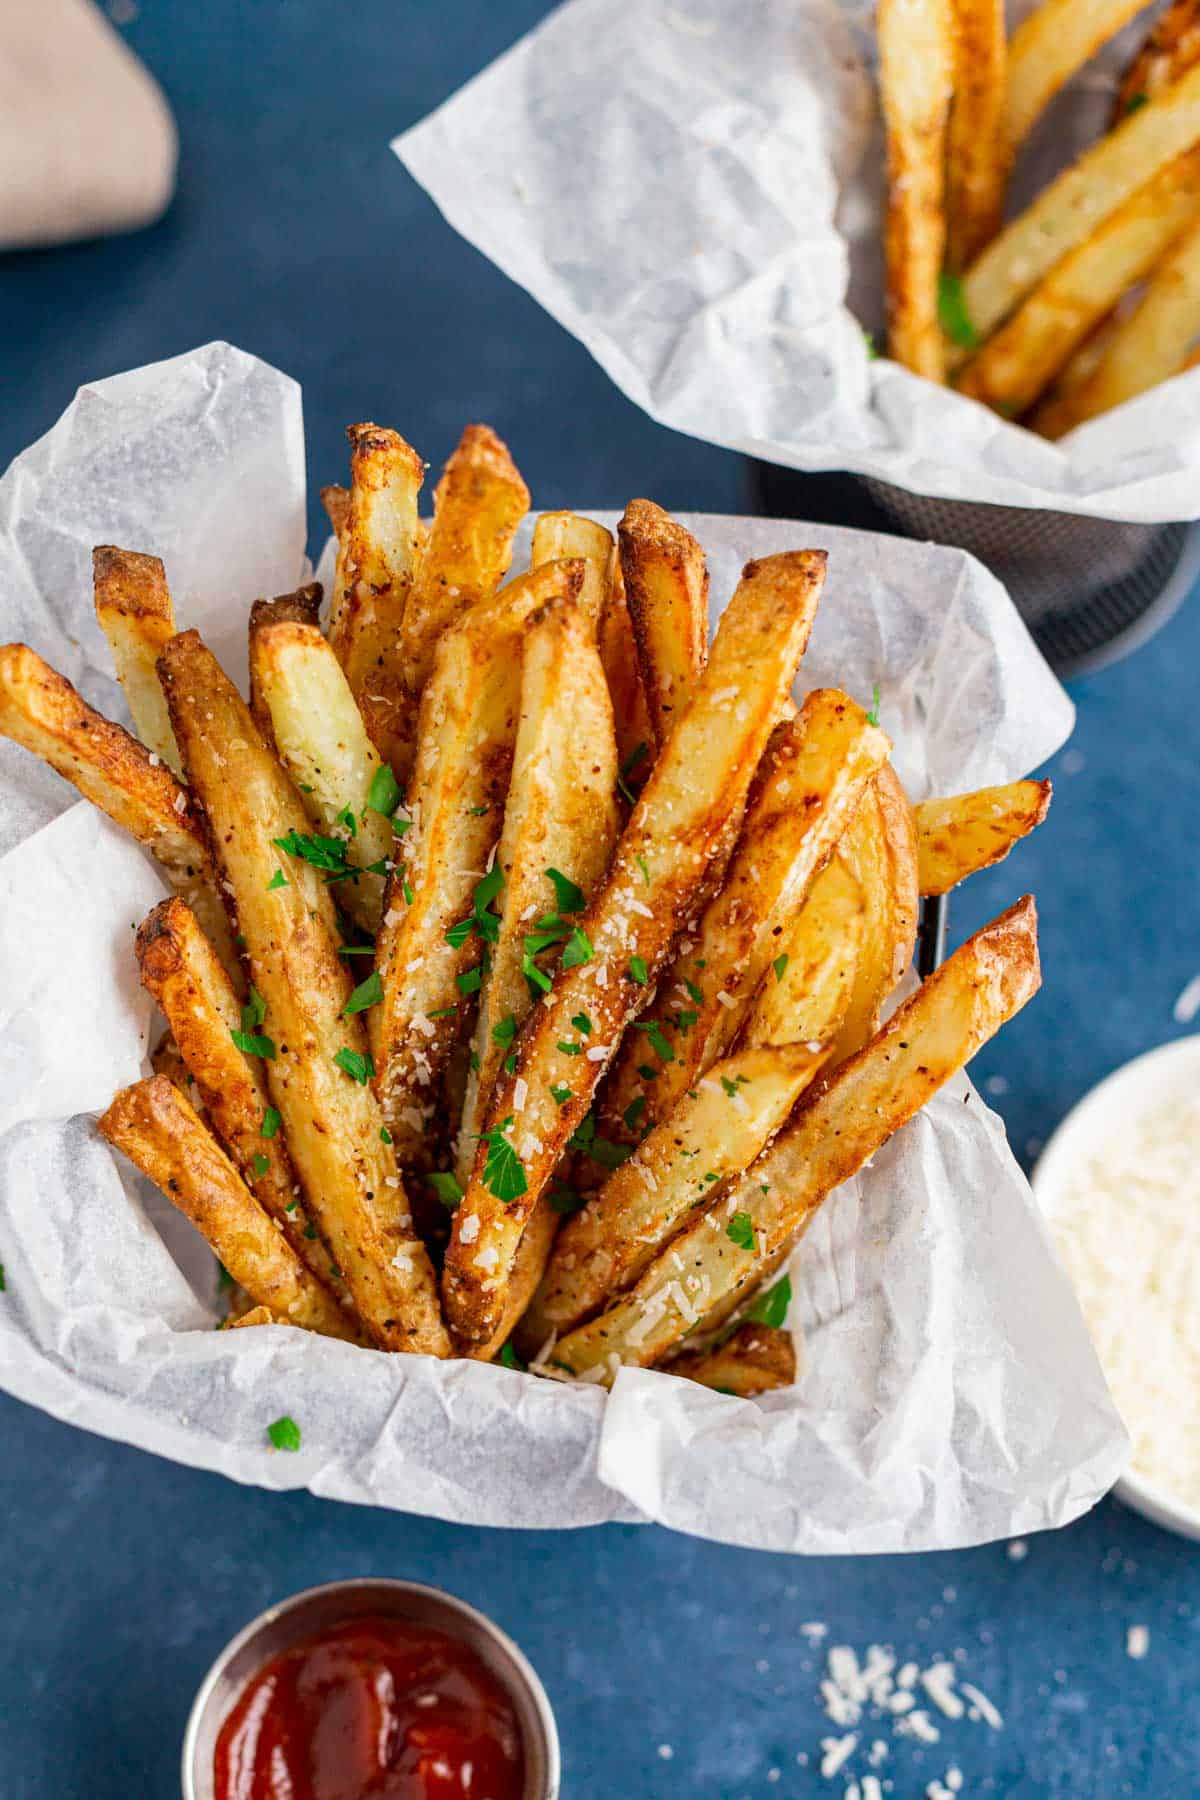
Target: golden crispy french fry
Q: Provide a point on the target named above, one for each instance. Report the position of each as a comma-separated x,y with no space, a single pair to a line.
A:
560,815
465,740
916,78
133,608
1171,46
977,151
925,1042
1067,211
631,713
1151,344
377,554
255,1315
967,832
666,592
477,506
179,968
336,501
320,739
718,1127
533,1253
879,849
1021,359
158,1129
317,1063
1051,45
624,937
301,607
563,536
166,1060
1053,415
40,710
809,787
755,1359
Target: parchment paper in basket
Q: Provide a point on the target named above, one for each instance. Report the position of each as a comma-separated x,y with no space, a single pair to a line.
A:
692,187
950,1392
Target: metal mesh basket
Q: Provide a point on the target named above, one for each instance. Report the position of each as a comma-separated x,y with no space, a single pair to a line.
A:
1090,590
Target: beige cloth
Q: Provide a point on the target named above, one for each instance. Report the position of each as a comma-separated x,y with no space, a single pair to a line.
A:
87,140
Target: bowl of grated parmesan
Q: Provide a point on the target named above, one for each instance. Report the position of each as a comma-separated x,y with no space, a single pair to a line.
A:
1119,1185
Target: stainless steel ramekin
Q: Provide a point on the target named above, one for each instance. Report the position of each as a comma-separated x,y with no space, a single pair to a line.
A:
307,1614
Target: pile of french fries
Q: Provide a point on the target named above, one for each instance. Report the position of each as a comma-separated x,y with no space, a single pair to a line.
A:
526,958
1090,296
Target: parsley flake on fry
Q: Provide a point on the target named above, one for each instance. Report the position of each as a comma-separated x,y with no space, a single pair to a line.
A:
503,1172
358,1068
740,1231
367,993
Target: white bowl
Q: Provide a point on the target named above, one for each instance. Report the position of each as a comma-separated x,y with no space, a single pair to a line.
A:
1140,1086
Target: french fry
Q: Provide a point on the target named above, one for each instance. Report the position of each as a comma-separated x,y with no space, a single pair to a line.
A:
809,787
925,1042
1067,211
666,592
631,714
158,1130
179,968
317,1063
257,1315
336,501
133,608
320,738
40,710
377,554
958,836
563,536
977,150
1171,46
755,1359
465,740
1151,344
624,937
916,77
1048,47
879,849
561,817
1052,416
805,993
477,506
301,607
1021,359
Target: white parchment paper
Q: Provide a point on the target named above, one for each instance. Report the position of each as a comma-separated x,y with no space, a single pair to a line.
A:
694,189
950,1393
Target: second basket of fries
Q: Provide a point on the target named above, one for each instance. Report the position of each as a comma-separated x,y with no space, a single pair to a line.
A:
522,1066
945,245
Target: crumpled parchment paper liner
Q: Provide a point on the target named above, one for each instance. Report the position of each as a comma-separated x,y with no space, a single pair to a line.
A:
693,188
950,1392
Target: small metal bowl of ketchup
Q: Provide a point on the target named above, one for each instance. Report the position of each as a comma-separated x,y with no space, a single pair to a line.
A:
371,1687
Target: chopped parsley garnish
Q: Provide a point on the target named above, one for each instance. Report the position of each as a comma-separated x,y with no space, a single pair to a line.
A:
249,1040
626,770
873,715
503,1171
560,1091
780,965
505,1031
510,1063
633,1112
278,880
445,1012
568,897
647,1072
578,949
600,1150
731,1087
684,1020
383,795
346,818
356,949
477,812
291,1206
637,969
284,1433
447,1187
771,1308
740,1231
1135,103
581,1022
321,852
869,346
657,1039
224,1278
470,981
644,867
385,1136
509,1358
367,993
406,890
695,994
564,1199
480,919
566,1049
271,1122
358,1068
260,1163
537,978
952,311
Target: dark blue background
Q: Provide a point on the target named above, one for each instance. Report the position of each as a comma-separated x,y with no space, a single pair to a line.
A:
296,235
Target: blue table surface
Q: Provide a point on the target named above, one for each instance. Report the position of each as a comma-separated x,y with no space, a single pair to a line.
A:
295,234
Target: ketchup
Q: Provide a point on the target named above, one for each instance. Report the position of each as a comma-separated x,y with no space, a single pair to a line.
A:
374,1709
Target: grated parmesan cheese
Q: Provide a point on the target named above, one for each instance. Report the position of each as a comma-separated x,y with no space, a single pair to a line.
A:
1128,1226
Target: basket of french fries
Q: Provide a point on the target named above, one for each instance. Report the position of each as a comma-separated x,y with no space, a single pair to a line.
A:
525,1005
954,252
